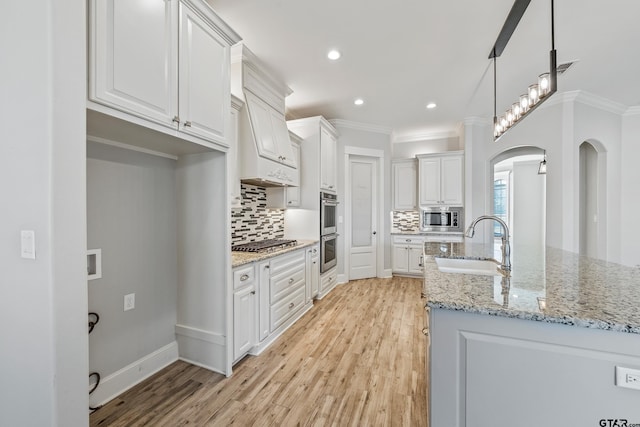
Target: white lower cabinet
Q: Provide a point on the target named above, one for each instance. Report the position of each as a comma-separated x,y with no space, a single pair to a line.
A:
274,294
328,281
407,254
313,272
244,311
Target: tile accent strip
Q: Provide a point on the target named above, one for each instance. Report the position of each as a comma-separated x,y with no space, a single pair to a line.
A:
253,222
406,221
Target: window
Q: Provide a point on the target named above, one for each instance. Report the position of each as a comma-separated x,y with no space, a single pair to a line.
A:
500,203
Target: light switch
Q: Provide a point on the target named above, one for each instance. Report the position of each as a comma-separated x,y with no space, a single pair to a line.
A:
28,244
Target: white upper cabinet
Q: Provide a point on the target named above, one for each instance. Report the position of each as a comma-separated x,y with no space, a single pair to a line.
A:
441,179
405,182
163,61
328,147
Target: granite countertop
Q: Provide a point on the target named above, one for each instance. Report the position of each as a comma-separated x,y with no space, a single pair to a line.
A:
240,258
546,284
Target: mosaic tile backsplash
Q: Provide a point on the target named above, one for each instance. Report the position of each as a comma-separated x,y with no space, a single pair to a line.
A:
406,220
253,222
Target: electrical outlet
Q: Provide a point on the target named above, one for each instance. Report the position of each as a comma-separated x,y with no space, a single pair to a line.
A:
129,302
629,378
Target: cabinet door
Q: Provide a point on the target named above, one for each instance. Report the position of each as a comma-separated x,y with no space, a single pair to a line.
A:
405,181
415,259
133,57
204,85
327,160
400,259
233,164
293,193
264,277
313,272
452,180
244,321
429,182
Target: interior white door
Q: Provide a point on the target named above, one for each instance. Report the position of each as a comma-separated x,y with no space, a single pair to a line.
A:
363,208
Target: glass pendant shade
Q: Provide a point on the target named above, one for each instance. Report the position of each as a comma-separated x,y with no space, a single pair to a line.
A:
544,84
515,109
524,103
542,169
533,94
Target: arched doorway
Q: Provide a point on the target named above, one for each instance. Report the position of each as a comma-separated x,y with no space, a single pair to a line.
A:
592,199
519,195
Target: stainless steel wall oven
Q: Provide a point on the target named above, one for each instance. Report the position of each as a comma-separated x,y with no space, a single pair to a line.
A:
328,248
328,213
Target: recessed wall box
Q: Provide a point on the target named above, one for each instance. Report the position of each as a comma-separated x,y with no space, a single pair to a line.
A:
94,264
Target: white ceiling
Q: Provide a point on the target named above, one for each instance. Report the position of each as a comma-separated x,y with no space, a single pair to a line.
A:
418,51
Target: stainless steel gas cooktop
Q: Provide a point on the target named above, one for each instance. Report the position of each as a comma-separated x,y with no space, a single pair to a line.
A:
269,245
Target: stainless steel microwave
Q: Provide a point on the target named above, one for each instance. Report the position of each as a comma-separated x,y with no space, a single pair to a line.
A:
442,219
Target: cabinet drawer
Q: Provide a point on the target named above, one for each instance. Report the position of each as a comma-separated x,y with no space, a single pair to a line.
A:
407,239
287,261
286,308
243,276
285,282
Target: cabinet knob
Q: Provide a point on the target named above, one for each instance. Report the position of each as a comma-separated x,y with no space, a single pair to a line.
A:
291,280
187,124
176,119
375,232
253,292
244,277
266,266
408,240
425,331
291,305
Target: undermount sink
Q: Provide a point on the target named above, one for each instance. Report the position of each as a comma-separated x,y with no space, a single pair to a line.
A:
485,267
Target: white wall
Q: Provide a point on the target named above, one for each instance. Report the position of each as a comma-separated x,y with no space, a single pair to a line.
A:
528,204
131,216
409,149
629,192
559,127
43,302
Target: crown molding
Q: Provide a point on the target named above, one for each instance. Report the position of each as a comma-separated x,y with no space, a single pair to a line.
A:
588,99
632,111
474,121
431,136
360,126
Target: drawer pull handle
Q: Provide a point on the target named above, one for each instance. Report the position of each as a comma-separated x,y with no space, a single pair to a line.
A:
187,124
253,292
244,277
291,280
291,305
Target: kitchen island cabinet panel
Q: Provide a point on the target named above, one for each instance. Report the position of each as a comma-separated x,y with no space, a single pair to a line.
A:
517,372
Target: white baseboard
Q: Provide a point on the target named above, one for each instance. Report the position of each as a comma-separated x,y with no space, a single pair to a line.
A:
342,279
122,380
386,274
202,348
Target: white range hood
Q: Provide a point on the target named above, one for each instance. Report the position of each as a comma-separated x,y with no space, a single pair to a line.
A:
264,148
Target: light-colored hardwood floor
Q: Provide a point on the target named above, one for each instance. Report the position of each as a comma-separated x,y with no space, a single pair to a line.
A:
356,359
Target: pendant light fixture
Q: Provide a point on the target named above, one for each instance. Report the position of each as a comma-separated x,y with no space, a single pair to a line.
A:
542,169
538,92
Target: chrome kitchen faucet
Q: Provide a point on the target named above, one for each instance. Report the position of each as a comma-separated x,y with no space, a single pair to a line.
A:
506,248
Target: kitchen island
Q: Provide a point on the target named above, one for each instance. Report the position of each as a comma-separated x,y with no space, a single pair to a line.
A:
540,347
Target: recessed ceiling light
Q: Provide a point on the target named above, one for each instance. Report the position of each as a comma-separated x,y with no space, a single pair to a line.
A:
359,101
431,105
333,55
